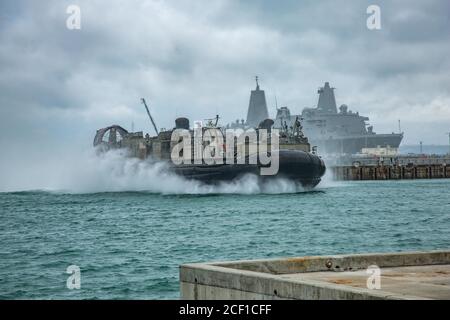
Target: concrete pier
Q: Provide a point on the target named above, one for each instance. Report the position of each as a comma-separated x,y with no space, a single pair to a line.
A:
391,172
413,275
366,167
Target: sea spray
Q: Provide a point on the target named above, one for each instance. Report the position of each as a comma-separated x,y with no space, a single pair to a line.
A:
89,172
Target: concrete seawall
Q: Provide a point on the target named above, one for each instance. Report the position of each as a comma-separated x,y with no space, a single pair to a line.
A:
414,275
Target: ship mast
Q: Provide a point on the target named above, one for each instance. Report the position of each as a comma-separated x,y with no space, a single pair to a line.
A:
448,142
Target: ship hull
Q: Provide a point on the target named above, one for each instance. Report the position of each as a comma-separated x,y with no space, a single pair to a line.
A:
354,144
298,166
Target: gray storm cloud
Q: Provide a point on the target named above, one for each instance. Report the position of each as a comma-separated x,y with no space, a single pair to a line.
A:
197,59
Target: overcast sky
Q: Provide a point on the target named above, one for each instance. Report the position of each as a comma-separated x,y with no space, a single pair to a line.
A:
199,58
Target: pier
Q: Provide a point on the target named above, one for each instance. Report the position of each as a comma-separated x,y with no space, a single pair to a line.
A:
393,168
412,275
393,172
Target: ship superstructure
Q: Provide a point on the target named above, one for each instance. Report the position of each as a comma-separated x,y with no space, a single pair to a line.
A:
336,131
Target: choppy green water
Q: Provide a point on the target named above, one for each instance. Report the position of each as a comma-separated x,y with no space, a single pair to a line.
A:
130,244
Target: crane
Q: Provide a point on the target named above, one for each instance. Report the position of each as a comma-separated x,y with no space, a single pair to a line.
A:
149,115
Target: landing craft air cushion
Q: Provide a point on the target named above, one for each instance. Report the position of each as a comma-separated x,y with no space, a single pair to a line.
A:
291,151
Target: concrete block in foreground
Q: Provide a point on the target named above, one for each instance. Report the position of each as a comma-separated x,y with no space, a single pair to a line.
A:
412,275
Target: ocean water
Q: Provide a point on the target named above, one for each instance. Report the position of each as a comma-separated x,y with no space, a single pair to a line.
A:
129,244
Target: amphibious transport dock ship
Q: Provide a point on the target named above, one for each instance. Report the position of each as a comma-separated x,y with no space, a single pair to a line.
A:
343,132
296,160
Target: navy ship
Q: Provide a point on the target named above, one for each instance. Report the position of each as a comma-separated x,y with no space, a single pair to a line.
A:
337,132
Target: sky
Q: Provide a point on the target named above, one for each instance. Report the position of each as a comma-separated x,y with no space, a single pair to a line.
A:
199,58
